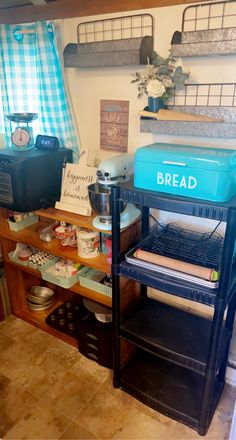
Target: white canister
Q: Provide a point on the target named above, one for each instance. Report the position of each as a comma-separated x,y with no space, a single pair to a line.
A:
88,243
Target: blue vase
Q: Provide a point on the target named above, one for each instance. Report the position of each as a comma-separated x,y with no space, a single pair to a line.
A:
155,104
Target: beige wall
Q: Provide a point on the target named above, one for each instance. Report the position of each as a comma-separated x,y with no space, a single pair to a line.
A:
88,86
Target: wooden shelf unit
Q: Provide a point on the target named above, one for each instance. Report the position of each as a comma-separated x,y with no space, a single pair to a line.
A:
38,320
20,278
68,217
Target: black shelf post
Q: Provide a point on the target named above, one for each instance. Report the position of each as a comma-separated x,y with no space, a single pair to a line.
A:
145,221
218,320
227,256
145,230
115,210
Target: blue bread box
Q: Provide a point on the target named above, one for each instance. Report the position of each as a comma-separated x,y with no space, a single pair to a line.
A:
202,173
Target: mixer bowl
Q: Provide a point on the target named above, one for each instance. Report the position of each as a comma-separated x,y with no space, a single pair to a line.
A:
99,197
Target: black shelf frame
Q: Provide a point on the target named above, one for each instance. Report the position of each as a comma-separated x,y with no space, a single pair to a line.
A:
210,369
176,286
169,389
168,284
178,204
171,341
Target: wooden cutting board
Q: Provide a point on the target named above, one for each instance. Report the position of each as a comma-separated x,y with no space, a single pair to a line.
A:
173,115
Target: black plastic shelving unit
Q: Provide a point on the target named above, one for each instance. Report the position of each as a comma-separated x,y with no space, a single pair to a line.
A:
177,360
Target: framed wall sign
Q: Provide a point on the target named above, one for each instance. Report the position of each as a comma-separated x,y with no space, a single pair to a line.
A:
74,189
114,117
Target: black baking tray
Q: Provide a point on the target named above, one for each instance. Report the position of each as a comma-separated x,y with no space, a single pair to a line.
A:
66,318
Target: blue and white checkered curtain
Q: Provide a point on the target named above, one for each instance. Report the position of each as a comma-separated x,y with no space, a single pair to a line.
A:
31,81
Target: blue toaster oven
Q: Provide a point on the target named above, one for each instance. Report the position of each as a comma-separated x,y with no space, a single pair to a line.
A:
203,173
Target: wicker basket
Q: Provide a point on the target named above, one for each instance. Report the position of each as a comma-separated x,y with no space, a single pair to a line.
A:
17,226
85,279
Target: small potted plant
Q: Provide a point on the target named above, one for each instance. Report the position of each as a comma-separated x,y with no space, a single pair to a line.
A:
159,80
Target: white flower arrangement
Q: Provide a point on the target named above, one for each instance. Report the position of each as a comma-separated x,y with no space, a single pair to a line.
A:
155,88
160,78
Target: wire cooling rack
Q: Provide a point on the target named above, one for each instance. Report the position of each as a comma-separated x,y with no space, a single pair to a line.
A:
204,249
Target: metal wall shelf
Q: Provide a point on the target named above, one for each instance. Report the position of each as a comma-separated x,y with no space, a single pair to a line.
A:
216,100
117,41
207,29
205,129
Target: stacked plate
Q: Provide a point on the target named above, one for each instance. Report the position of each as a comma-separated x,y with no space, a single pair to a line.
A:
40,298
102,313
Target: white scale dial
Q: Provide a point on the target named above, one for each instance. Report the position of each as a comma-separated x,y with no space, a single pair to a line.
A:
21,137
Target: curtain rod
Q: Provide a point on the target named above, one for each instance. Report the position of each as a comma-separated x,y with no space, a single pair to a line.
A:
18,31
25,31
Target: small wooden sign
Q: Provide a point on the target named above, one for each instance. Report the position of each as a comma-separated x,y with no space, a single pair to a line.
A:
74,190
114,118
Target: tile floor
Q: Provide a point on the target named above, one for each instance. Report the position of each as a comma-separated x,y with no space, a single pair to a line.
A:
49,391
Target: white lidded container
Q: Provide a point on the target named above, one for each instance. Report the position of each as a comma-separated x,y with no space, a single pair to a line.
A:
88,243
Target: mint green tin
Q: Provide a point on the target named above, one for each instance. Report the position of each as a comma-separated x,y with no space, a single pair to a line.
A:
198,172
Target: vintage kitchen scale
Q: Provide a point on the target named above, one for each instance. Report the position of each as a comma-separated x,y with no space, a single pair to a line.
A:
22,137
111,172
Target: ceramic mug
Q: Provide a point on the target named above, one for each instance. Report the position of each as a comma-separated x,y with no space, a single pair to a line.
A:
88,243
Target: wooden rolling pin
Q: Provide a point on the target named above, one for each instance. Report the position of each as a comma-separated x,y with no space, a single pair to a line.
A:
173,115
180,266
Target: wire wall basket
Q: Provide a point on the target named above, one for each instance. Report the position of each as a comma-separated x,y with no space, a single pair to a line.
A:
219,15
133,26
209,94
201,248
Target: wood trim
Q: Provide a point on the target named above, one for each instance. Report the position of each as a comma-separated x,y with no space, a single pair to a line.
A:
2,316
80,8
